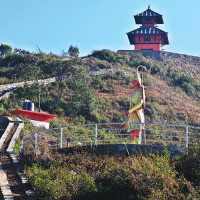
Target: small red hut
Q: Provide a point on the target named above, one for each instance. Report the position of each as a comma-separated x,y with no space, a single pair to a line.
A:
148,36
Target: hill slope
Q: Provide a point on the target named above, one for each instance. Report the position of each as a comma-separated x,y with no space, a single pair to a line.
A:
172,86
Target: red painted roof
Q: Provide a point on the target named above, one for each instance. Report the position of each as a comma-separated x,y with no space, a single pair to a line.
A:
43,117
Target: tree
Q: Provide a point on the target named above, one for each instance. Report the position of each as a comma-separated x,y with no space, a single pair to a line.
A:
63,53
83,100
25,69
5,50
21,52
73,51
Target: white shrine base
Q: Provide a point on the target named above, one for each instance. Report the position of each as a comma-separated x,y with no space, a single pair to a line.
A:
40,124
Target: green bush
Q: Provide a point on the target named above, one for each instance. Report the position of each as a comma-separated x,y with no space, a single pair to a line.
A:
188,164
80,175
147,81
104,55
122,59
187,84
97,83
4,80
104,65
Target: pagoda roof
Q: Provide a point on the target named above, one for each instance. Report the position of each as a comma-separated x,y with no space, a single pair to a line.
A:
148,14
148,30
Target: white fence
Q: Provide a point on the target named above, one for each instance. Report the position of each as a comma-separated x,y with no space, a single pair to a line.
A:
112,133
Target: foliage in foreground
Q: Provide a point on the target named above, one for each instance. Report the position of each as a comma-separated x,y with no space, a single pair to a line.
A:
84,176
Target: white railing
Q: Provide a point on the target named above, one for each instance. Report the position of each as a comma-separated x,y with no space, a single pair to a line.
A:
114,133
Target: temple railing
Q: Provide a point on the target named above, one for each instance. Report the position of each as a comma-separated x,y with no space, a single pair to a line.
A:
112,133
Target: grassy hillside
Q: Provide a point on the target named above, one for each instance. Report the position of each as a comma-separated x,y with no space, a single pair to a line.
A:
172,93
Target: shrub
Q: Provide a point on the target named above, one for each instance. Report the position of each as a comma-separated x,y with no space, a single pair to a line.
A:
147,81
4,80
187,84
79,175
124,102
104,55
104,65
97,83
155,69
155,177
122,59
188,165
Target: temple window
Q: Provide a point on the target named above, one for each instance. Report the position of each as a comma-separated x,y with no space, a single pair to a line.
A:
147,38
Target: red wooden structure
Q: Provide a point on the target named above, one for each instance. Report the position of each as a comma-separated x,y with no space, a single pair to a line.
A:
36,118
148,36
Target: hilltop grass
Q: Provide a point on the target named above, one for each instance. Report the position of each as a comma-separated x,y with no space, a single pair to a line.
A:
80,175
105,98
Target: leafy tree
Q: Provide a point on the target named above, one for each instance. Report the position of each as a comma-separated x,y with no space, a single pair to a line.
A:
83,100
61,70
5,50
73,51
11,60
27,67
21,52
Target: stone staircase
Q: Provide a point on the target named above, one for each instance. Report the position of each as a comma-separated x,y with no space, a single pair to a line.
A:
13,183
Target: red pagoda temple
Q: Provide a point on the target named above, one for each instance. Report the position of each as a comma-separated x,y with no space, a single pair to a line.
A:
148,36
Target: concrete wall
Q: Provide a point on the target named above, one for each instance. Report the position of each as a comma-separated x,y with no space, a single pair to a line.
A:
21,84
6,131
125,149
3,122
166,56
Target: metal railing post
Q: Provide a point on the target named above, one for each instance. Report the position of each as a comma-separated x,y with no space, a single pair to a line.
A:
36,140
95,137
61,137
140,134
22,144
186,136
